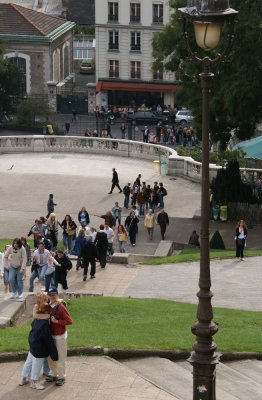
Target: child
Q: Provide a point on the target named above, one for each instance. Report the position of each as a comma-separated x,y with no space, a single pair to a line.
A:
4,273
122,238
41,344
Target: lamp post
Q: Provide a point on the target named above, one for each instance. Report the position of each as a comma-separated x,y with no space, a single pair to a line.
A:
208,18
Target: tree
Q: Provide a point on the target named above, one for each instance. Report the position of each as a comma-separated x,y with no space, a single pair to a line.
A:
237,87
227,186
217,242
11,87
29,108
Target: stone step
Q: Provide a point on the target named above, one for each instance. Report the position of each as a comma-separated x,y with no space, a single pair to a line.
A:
235,381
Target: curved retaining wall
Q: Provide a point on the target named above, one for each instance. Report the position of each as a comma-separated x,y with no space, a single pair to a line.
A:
176,166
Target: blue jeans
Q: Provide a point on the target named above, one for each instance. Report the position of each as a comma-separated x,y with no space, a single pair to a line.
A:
141,209
16,280
40,273
50,280
161,201
67,242
32,366
126,201
122,244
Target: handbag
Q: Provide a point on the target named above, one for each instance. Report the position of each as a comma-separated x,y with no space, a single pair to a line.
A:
34,266
70,231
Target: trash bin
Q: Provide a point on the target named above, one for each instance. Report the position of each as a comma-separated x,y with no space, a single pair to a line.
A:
163,166
215,211
156,165
223,213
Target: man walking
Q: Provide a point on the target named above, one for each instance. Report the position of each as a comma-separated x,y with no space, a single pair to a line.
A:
115,182
101,243
50,205
163,221
127,192
89,255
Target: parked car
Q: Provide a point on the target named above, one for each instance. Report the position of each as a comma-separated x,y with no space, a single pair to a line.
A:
87,66
184,117
146,118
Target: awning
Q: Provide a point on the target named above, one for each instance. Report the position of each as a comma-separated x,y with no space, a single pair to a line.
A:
136,86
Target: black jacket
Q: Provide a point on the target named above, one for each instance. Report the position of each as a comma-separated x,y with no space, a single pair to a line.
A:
40,340
162,218
86,216
101,241
65,263
88,252
115,177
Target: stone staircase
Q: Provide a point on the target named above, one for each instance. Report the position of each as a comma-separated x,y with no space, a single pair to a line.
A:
238,380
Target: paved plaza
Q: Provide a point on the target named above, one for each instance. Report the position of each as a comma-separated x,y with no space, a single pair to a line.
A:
78,180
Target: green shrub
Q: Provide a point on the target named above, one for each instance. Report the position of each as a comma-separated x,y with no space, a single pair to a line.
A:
217,242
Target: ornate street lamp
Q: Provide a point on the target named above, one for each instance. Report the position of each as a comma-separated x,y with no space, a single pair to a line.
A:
208,18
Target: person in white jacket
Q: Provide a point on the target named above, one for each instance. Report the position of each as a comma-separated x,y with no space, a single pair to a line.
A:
16,255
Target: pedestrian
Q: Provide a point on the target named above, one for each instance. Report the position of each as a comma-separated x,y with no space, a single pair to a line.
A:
41,346
74,115
28,252
67,127
117,211
163,221
4,273
52,226
79,244
127,192
89,255
63,265
149,223
109,219
122,238
101,243
38,231
123,131
141,201
69,232
42,259
194,239
115,182
131,225
60,318
16,255
138,181
240,238
145,134
110,238
50,205
162,192
83,217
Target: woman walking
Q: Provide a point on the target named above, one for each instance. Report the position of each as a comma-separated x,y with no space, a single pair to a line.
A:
69,232
240,238
52,226
122,238
16,255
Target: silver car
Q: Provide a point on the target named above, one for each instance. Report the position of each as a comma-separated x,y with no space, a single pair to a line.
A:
184,117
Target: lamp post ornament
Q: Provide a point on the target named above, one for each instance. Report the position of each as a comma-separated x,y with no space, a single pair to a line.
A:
208,18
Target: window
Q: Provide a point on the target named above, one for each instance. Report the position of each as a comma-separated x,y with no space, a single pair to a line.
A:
158,75
157,13
112,11
135,70
20,63
135,12
113,69
113,40
135,41
83,48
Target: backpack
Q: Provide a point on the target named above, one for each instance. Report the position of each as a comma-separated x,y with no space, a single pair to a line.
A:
125,190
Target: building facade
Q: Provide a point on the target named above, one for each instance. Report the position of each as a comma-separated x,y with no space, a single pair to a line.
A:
40,44
124,72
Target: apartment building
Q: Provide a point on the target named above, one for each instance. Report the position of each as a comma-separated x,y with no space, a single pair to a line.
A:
124,72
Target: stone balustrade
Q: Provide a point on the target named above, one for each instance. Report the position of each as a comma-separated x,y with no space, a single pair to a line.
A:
185,167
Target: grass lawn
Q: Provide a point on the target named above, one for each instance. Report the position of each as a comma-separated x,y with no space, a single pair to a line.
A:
3,242
145,323
191,254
